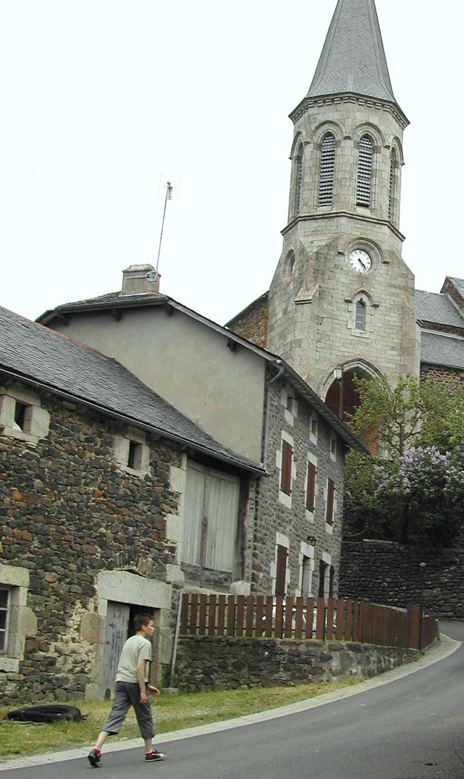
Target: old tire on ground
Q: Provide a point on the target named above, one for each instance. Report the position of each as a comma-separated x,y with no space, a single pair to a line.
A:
47,712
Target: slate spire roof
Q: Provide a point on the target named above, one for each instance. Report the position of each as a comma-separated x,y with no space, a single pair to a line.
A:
353,58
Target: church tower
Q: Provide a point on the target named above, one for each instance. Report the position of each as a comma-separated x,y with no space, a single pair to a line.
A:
341,300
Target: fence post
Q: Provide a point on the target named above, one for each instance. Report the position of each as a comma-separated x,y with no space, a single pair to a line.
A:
414,626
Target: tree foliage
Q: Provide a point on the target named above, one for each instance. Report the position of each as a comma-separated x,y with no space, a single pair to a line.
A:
412,486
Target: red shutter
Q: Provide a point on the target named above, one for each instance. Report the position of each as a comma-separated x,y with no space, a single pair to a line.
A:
286,472
281,575
330,502
311,487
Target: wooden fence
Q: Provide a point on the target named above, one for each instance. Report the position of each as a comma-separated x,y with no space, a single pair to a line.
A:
260,616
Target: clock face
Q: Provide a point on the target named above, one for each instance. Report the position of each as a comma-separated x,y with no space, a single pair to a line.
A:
360,260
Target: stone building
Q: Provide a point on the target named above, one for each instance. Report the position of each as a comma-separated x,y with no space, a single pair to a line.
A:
342,301
249,399
95,473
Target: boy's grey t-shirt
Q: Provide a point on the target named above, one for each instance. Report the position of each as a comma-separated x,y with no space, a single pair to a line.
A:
136,648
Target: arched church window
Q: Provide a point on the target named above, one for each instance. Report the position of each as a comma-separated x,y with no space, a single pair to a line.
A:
365,168
298,179
360,322
393,186
327,172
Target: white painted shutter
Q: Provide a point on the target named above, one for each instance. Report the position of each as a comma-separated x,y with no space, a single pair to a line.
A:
222,511
194,513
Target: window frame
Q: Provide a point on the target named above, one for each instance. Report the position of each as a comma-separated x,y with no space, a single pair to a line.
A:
4,632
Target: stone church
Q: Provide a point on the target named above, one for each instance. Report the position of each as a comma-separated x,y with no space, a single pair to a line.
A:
342,302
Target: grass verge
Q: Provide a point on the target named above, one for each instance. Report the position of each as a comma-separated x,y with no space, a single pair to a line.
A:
172,712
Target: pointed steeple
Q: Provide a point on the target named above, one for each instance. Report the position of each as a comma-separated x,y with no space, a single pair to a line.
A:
353,58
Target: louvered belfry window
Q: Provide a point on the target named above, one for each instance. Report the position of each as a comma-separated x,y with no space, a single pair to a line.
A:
365,167
392,193
298,179
327,174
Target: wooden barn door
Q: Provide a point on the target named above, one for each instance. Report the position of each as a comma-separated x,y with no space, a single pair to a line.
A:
117,626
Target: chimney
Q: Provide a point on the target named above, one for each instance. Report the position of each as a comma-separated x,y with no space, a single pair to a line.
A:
140,280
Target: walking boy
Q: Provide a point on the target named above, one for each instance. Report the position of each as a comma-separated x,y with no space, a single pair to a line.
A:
132,690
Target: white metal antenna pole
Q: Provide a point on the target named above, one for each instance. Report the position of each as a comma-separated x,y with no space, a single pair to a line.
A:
167,197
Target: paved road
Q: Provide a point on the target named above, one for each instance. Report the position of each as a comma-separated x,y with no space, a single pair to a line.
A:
412,728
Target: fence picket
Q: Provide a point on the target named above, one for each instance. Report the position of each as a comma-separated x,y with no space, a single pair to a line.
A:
250,612
279,617
184,623
330,619
231,615
202,618
340,606
221,615
193,614
299,618
289,603
240,615
320,623
259,625
268,621
212,615
309,617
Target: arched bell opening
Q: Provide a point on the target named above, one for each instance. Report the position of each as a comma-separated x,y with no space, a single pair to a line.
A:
342,396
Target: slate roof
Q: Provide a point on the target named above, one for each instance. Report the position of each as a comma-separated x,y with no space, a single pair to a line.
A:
353,57
438,308
459,284
33,352
440,349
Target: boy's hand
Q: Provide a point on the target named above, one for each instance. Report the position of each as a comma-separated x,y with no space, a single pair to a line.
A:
154,690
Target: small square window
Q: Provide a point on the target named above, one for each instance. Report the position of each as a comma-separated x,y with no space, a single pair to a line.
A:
134,457
20,415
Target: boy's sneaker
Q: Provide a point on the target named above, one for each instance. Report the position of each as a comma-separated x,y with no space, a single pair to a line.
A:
94,758
154,755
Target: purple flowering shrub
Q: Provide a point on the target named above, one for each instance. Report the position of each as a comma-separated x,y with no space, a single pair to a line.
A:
421,496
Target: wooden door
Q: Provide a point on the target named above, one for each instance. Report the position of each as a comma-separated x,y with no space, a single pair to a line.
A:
117,626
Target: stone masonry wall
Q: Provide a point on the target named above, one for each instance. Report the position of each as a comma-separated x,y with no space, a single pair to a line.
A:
69,512
292,520
385,572
205,663
252,322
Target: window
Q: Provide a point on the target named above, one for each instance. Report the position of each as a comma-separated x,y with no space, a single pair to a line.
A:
21,415
365,168
4,617
311,487
327,171
392,191
132,454
322,591
313,429
333,446
298,180
286,469
211,518
281,575
331,581
329,517
306,576
360,321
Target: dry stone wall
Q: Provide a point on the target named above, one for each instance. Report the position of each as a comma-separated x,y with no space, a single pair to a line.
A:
385,572
205,663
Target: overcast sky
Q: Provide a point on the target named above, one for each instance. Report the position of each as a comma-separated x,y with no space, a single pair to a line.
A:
103,101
